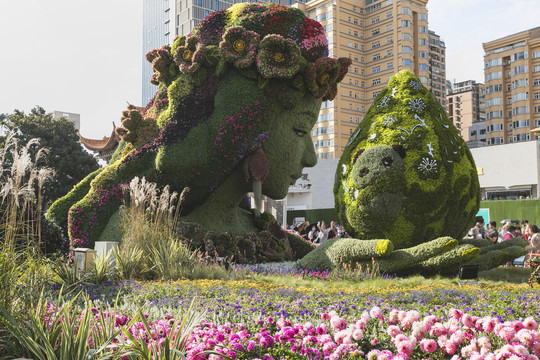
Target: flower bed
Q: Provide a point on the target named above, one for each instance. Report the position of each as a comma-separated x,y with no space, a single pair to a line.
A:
256,320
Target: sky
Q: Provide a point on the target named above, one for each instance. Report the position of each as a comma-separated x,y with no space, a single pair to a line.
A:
85,56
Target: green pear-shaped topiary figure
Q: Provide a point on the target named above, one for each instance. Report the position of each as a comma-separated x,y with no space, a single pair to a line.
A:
406,176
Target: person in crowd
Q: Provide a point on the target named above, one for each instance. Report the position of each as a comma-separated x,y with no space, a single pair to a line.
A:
502,232
518,232
342,233
475,232
534,239
332,231
511,233
303,229
492,234
313,233
323,232
482,229
525,229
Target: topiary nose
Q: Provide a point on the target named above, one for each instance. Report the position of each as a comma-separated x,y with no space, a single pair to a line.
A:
364,172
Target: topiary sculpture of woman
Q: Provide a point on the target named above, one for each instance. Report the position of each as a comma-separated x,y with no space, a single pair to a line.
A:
237,100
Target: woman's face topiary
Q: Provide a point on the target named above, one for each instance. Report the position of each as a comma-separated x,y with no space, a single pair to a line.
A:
289,147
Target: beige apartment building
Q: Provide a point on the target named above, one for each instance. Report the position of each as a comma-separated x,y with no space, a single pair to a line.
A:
437,67
382,37
466,106
512,78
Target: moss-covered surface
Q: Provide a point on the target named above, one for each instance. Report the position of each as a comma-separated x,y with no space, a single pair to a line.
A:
58,212
406,174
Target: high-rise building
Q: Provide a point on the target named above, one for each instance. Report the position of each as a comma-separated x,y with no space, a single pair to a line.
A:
190,12
163,20
157,29
512,78
382,37
465,107
437,67
74,118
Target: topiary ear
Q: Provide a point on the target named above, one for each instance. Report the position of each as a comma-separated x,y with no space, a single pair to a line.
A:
400,150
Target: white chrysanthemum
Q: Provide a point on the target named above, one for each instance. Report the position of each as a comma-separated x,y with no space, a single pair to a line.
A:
416,105
427,166
415,85
389,120
384,102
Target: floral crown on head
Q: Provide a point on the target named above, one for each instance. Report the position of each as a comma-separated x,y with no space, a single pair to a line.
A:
263,42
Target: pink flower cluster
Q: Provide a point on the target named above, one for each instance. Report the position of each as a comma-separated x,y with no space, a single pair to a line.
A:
377,334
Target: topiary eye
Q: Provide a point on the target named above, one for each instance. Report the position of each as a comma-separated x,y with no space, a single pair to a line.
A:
300,132
387,161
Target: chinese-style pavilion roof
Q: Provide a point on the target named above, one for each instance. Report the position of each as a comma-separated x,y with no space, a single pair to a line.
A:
108,143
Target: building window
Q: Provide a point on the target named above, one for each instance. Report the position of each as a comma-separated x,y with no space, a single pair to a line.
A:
376,44
424,67
536,82
375,32
407,49
422,29
376,57
422,54
390,65
407,62
375,20
376,69
520,70
406,23
376,82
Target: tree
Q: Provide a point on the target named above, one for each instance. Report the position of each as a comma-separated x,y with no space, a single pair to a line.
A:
69,160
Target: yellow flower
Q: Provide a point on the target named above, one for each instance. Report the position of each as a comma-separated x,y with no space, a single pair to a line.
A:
278,57
187,55
323,78
239,45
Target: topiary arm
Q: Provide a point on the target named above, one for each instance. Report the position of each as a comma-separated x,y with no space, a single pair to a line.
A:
493,255
336,252
413,259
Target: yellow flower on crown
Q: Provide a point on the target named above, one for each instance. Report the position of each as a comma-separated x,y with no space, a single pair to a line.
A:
187,55
278,57
323,78
239,45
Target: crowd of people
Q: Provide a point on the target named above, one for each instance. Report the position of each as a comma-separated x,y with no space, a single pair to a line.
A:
509,229
320,232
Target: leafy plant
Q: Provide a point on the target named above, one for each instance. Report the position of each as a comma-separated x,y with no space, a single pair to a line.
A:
128,262
66,273
101,270
54,332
